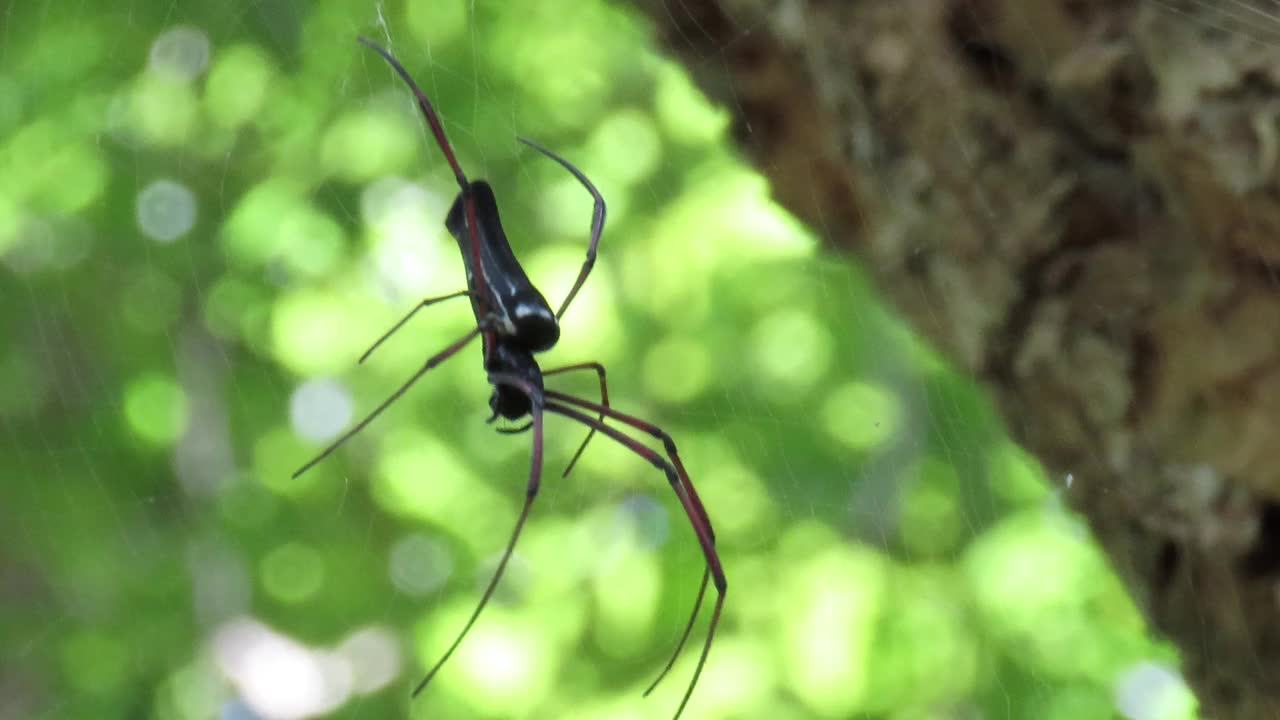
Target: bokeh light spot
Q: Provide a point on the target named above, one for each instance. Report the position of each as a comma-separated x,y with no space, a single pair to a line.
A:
861,415
311,242
163,110
277,676
410,251
926,644
626,147
166,210
527,48
50,168
228,303
506,663
237,86
71,178
194,691
316,333
292,572
155,407
319,409
374,656
181,51
419,565
455,499
277,454
792,351
1051,616
1153,691
250,235
626,590
362,144
830,606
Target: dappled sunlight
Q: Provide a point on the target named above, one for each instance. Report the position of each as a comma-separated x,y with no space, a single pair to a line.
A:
361,144
411,251
626,594
862,415
238,86
248,232
626,146
827,615
207,225
43,172
791,352
316,332
292,573
166,210
506,663
156,408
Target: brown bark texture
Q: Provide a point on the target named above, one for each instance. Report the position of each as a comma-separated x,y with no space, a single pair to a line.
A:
1077,202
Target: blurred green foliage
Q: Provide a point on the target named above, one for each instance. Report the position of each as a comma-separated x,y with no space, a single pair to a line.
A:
207,212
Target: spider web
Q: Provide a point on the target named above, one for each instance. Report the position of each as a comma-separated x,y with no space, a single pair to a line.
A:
208,211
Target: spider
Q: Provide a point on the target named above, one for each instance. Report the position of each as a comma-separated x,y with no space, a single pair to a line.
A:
514,321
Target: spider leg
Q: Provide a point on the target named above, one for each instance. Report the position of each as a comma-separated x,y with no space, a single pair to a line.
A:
597,222
437,129
692,508
684,636
431,362
425,303
670,446
428,111
531,491
604,400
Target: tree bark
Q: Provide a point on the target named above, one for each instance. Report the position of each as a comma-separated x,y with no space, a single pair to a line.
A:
1077,202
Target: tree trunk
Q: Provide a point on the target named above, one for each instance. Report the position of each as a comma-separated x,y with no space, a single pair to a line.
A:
1077,202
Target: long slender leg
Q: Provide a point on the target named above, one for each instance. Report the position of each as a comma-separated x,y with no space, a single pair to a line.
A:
431,362
684,636
668,443
425,303
437,129
670,446
696,516
604,400
531,491
428,111
597,222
